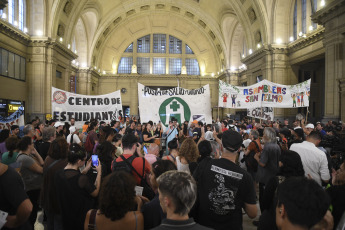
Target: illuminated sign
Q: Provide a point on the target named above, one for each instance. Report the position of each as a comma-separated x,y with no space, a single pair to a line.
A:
12,108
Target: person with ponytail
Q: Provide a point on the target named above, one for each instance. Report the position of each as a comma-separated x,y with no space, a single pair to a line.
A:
10,156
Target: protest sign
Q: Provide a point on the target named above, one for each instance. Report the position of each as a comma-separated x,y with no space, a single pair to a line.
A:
16,118
66,105
264,94
265,113
182,104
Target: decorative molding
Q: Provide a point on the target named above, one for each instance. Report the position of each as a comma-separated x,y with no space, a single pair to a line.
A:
315,36
156,77
16,34
251,15
331,10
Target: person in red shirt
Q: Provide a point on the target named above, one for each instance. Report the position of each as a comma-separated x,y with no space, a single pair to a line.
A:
130,146
224,126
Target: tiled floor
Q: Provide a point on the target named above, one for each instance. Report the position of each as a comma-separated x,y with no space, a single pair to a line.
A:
247,223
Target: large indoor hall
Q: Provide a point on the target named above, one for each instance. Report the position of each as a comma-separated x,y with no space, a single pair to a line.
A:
172,114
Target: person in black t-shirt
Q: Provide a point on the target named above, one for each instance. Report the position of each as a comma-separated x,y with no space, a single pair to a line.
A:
147,133
13,199
48,135
224,188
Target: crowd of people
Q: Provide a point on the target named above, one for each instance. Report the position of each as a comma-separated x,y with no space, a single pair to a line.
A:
131,175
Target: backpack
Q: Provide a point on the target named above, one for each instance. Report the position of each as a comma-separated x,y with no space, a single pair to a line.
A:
251,163
126,165
88,144
122,165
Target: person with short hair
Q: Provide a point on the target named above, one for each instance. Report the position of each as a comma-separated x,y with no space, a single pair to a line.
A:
129,143
152,211
224,188
152,153
301,203
267,160
28,130
314,160
48,135
15,130
177,195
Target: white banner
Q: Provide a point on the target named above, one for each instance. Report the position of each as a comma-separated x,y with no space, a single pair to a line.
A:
182,104
264,94
66,105
16,118
265,113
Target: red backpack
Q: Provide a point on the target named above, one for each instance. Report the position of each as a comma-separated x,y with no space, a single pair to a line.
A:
88,144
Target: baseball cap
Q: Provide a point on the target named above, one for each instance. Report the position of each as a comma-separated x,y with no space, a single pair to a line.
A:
232,140
299,131
58,123
310,126
72,129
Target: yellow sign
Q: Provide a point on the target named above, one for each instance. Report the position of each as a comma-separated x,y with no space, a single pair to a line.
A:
48,116
13,108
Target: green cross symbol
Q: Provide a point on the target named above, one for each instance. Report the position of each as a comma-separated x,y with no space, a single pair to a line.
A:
174,106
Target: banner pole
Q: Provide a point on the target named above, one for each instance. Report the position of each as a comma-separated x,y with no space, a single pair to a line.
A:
261,116
306,117
218,112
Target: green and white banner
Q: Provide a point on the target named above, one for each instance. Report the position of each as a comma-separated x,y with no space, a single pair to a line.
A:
183,104
264,94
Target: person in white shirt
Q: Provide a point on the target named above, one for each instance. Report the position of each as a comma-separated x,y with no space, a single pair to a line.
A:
73,132
314,161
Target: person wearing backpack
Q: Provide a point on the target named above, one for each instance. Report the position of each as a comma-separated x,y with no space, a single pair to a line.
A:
139,167
253,148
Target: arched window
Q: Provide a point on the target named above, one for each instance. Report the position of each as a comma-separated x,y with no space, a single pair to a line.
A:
11,10
304,16
157,60
313,10
295,21
21,15
16,14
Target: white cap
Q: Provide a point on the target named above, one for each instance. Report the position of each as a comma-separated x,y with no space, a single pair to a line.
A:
72,129
58,123
310,126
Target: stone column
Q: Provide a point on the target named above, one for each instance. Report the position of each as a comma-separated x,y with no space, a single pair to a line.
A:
134,101
342,98
40,69
332,17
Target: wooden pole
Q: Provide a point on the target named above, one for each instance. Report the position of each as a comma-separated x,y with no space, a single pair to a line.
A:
306,117
261,116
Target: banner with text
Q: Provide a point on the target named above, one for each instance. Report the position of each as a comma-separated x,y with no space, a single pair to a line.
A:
66,105
183,104
264,94
16,118
265,113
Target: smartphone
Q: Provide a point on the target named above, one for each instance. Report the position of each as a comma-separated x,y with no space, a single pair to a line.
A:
94,160
145,149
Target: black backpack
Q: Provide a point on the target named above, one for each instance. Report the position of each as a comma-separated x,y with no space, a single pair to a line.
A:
251,163
122,165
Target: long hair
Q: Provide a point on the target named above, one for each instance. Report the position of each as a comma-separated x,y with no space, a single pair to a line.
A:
189,150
